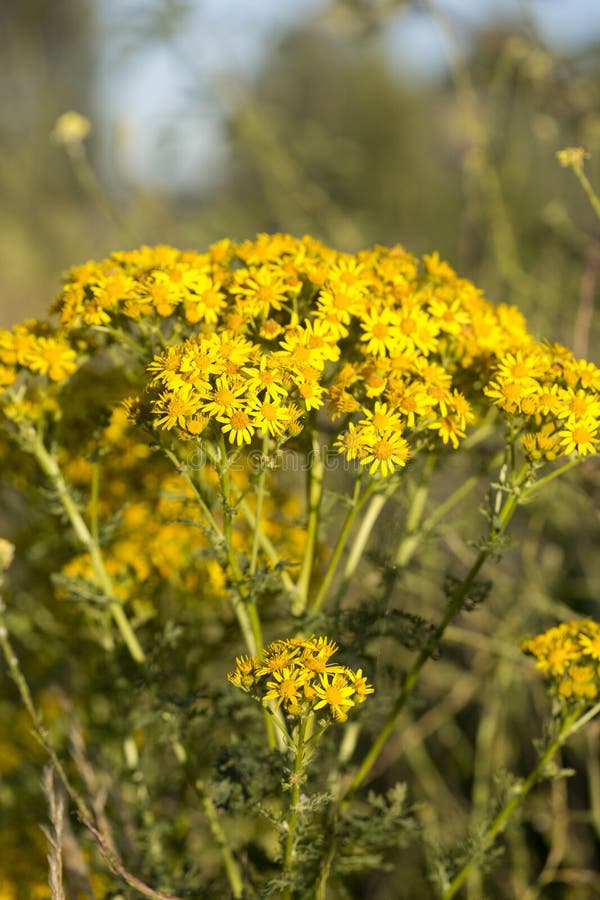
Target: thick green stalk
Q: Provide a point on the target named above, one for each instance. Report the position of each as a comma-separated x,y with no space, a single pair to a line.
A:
316,471
360,541
51,469
357,504
501,820
413,532
260,496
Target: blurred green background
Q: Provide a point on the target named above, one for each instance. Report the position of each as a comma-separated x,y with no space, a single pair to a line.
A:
432,125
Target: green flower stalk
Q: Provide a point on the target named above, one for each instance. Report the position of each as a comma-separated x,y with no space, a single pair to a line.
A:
574,158
296,676
569,657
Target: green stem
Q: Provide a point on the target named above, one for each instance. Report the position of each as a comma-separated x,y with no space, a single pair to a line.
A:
234,875
39,729
587,187
119,337
499,525
481,175
585,718
260,495
326,862
567,727
360,541
548,478
356,505
316,472
413,533
265,543
51,469
94,498
285,742
245,608
250,516
455,497
296,780
210,519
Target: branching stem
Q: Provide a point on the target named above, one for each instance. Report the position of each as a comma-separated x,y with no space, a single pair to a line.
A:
567,727
499,524
51,469
356,505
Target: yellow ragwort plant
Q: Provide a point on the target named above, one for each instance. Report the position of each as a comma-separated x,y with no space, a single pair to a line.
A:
178,389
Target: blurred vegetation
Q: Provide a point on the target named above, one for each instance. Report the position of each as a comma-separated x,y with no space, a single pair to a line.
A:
328,137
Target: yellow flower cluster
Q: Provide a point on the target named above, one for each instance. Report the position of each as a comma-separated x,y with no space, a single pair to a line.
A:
37,348
572,157
569,657
263,338
35,360
297,675
137,284
556,396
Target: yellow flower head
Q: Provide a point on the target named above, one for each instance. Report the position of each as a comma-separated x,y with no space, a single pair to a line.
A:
71,128
265,338
569,657
296,674
572,157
